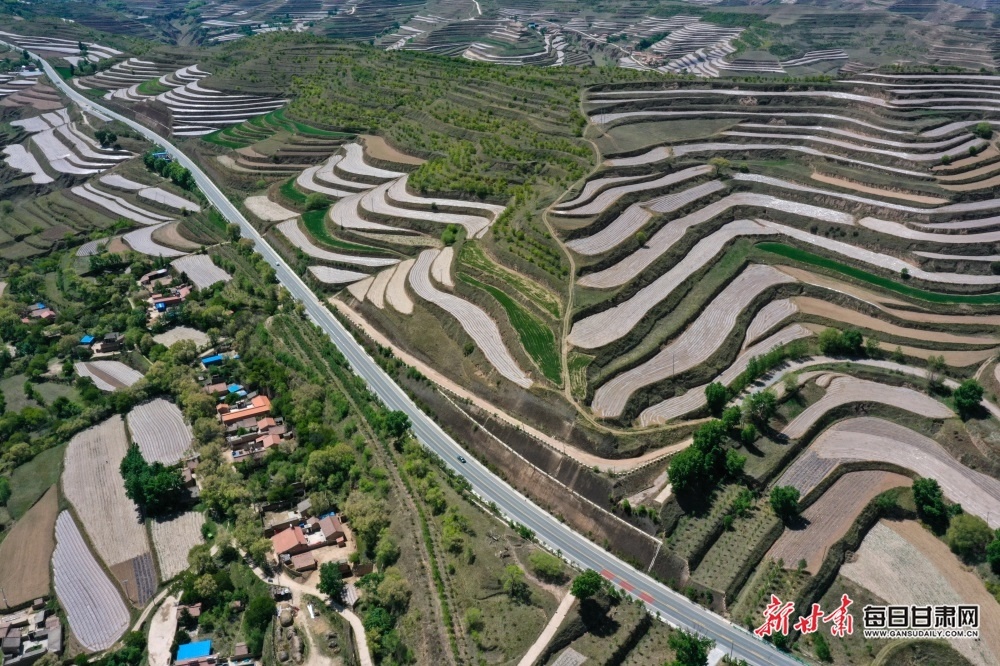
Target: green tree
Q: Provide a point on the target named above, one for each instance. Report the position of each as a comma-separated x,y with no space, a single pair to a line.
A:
930,504
369,515
968,537
393,592
785,502
759,407
155,488
331,583
258,616
4,490
967,397
386,550
514,584
984,130
587,584
993,553
689,649
716,395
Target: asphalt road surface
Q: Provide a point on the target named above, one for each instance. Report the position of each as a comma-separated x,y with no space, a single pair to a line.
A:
659,599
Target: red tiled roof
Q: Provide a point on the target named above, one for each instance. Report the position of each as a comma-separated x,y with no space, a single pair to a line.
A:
287,540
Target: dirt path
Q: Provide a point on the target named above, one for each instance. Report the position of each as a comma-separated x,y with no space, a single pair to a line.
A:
161,632
536,649
857,187
587,459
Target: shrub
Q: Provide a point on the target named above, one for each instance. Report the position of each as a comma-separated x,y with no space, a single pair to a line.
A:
983,130
968,537
587,584
716,395
930,504
689,649
967,397
785,501
547,567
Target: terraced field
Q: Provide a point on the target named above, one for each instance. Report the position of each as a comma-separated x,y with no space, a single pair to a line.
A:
158,427
108,375
94,487
96,613
173,539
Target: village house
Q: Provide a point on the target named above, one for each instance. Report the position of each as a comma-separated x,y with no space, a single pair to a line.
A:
170,298
111,342
154,278
38,311
24,642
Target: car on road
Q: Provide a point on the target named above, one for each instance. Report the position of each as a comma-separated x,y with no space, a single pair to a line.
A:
461,460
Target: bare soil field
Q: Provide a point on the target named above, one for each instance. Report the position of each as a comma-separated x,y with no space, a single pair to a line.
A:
904,564
841,314
179,333
27,549
170,235
828,518
832,284
97,615
891,194
158,427
952,357
268,210
877,440
200,270
162,627
93,485
380,150
173,538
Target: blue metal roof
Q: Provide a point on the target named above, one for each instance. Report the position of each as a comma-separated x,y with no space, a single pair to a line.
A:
194,650
234,388
208,360
86,340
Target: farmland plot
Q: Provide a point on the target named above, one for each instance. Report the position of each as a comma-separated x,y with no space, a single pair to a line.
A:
695,345
22,160
354,164
441,268
872,439
97,616
844,390
631,266
592,187
108,375
395,291
695,398
345,215
397,193
200,270
118,207
141,240
891,565
769,316
476,322
609,325
94,486
376,202
26,551
636,216
173,538
290,229
608,197
168,199
335,276
158,427
326,175
307,180
828,518
267,210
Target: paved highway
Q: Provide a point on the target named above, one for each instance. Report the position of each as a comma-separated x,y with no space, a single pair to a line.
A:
670,606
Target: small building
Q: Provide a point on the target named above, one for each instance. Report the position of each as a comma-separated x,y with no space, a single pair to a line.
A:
305,506
154,276
190,652
87,340
216,390
279,521
54,634
256,408
111,342
333,529
193,610
290,542
304,562
240,651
